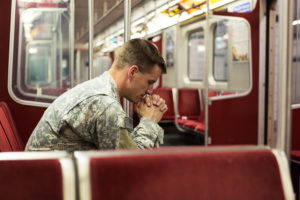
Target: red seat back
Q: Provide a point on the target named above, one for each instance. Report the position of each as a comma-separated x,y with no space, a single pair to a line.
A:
189,103
167,95
36,176
9,137
211,93
191,173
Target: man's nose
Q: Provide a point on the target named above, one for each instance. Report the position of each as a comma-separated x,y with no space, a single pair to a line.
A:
150,89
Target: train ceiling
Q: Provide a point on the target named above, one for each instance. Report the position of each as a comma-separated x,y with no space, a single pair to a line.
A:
105,13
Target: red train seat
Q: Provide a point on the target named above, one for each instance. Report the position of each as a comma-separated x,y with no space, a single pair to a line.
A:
185,173
224,93
295,155
188,105
36,176
167,95
9,137
199,124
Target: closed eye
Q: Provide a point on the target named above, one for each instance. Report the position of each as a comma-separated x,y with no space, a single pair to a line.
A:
151,82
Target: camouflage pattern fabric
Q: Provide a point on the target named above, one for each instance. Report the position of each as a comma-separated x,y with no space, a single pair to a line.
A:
90,116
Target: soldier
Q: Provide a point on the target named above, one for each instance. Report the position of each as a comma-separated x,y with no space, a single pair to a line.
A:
90,116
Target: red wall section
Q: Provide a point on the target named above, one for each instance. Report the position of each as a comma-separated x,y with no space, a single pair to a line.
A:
26,117
296,129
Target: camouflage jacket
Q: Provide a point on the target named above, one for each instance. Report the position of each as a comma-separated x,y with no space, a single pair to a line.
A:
90,116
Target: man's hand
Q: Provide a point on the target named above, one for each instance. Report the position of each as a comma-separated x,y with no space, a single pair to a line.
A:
157,101
152,107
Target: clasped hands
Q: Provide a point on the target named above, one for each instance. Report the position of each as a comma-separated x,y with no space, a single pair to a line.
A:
152,106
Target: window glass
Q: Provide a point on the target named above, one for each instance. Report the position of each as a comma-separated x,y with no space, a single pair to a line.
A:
232,54
296,57
220,51
38,65
41,50
196,60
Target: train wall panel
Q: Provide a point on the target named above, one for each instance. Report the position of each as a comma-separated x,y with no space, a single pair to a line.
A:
295,129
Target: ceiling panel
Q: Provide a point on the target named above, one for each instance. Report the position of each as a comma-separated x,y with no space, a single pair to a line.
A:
106,13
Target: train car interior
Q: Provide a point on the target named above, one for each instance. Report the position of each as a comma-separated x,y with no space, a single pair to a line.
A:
232,89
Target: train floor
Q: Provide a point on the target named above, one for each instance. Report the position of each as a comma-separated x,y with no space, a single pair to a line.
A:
174,137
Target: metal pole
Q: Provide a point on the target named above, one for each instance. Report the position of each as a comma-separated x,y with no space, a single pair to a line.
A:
91,36
206,73
71,39
127,24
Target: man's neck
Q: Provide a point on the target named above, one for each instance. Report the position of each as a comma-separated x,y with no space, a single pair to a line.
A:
119,77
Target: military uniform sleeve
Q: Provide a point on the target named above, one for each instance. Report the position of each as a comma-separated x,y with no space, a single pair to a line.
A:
113,126
114,122
147,134
125,141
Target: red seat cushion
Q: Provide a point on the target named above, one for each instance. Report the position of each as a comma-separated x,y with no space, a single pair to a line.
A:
295,155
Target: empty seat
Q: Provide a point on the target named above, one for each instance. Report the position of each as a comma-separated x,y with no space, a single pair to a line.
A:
295,155
188,104
185,173
224,93
167,95
36,176
199,124
9,137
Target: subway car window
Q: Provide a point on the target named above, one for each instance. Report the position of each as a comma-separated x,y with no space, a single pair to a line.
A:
220,51
231,62
41,50
296,57
196,54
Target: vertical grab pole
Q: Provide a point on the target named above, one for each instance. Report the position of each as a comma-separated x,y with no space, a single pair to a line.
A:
206,73
91,36
71,44
127,24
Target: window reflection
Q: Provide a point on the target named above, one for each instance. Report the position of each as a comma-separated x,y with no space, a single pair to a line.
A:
42,50
231,54
296,55
196,55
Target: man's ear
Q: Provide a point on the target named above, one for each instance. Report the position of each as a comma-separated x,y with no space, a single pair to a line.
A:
132,71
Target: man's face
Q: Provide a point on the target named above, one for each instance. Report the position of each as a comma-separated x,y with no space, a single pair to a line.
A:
142,83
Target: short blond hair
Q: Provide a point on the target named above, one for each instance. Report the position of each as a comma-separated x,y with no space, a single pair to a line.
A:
139,52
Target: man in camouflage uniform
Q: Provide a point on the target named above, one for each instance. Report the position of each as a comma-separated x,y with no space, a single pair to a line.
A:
90,116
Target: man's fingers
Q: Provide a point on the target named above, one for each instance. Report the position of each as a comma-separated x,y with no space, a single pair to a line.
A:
138,104
147,100
164,108
157,100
